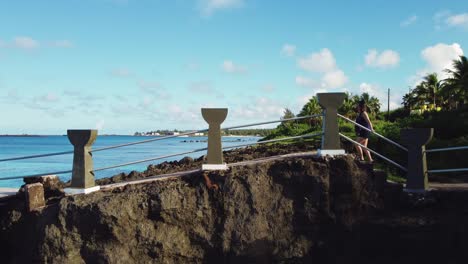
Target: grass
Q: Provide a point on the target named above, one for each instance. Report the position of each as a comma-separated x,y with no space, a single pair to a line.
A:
395,178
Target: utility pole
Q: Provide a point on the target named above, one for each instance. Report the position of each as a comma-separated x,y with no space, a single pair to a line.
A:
388,105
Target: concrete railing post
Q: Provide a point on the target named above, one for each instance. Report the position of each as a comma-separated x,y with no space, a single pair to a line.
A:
214,158
416,139
330,102
82,176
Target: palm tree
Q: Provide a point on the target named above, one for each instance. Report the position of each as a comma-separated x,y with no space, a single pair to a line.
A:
312,107
432,86
373,104
428,91
410,101
420,95
456,85
348,106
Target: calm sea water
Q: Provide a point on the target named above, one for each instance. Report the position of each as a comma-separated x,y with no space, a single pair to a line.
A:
24,146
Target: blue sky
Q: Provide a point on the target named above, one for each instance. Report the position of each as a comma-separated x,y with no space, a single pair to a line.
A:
136,65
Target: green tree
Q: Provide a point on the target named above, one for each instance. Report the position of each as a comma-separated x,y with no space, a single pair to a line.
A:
348,108
432,86
287,125
456,85
287,113
312,107
373,103
410,100
428,91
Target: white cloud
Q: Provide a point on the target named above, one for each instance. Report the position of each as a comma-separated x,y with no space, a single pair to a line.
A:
209,7
408,21
302,100
72,93
28,43
288,50
385,59
62,43
121,72
306,82
258,108
205,87
334,79
100,125
188,116
459,20
148,86
11,97
154,89
229,67
192,66
322,61
25,43
440,57
381,94
269,88
330,80
48,98
446,19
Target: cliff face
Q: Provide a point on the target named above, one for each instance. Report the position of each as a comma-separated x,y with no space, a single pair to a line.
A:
294,210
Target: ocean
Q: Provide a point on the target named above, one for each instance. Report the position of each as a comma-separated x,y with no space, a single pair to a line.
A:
25,146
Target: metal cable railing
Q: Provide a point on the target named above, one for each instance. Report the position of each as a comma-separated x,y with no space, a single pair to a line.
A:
202,149
149,159
35,175
375,133
163,157
148,140
374,152
204,130
157,139
275,121
448,170
274,140
37,156
447,149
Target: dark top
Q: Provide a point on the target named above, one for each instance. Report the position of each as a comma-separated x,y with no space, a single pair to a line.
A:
360,132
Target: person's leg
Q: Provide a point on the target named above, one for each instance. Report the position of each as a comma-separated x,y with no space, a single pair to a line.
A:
359,149
368,154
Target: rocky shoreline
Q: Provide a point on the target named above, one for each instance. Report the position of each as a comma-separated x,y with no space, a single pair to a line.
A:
296,210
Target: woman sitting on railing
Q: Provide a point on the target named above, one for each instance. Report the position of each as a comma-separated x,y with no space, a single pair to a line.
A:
363,134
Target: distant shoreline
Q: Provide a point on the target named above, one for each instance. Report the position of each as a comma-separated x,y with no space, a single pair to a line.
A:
108,135
23,135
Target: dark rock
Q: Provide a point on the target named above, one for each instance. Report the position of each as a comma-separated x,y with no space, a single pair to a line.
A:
52,185
34,196
298,210
186,161
278,211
